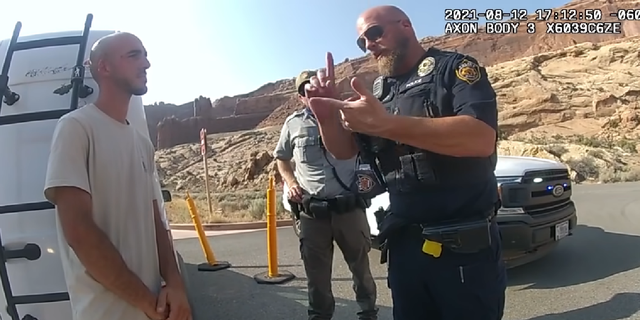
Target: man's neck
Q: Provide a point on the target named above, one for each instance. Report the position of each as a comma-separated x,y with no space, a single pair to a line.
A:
115,106
414,55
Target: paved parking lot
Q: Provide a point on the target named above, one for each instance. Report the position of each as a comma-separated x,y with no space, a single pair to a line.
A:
593,275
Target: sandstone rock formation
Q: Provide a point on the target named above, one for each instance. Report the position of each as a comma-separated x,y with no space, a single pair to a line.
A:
582,89
242,162
173,131
160,110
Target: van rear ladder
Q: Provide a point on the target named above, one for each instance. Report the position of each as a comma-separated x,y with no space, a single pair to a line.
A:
32,251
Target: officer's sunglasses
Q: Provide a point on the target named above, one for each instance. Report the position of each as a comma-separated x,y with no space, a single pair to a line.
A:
374,33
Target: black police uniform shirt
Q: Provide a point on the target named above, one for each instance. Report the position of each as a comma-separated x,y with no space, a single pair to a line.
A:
471,95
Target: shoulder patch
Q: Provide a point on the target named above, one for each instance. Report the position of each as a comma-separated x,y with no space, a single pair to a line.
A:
426,66
468,71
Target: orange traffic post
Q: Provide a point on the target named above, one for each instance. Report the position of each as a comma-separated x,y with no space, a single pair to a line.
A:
273,275
212,264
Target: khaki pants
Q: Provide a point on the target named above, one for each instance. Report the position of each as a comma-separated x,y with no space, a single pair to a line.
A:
352,235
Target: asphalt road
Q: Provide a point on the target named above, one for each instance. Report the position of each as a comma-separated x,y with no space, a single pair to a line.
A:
592,275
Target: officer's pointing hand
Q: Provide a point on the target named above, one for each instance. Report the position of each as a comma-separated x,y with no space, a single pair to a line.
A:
324,85
364,113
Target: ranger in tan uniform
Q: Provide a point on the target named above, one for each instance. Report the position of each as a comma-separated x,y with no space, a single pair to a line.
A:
321,188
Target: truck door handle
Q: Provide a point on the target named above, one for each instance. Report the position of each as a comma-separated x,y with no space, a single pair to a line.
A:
30,251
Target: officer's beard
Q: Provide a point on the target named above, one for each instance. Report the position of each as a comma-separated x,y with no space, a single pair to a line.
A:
388,65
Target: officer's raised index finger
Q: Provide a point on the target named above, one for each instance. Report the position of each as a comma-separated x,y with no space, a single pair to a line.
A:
331,74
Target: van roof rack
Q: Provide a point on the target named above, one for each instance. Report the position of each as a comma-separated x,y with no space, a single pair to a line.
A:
77,74
32,251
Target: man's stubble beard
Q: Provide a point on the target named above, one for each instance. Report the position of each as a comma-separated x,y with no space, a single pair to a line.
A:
389,64
139,91
136,91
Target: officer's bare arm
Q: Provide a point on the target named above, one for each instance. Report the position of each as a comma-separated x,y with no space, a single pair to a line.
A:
470,133
283,154
67,187
338,140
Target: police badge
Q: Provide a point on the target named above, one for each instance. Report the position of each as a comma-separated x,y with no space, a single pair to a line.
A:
426,66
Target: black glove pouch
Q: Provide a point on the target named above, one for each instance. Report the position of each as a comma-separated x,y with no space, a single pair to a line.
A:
468,237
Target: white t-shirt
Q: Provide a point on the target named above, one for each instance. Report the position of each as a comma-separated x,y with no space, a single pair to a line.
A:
114,163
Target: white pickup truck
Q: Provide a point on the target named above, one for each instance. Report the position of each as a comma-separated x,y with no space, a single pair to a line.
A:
536,213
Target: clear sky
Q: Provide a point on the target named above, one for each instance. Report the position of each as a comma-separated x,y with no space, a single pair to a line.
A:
221,48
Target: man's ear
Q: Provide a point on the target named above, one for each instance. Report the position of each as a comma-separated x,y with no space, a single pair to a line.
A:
103,66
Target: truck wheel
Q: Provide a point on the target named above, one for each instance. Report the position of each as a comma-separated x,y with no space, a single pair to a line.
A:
296,226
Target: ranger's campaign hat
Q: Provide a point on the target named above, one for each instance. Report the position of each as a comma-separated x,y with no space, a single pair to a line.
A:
302,79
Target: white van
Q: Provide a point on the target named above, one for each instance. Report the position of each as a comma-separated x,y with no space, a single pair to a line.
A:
39,91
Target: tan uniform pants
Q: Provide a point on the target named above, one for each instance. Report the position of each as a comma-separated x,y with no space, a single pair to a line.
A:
351,233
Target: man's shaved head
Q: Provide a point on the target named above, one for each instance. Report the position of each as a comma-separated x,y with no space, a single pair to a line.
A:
387,32
100,52
382,13
119,60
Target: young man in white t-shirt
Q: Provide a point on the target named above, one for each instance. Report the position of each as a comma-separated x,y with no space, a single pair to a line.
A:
114,246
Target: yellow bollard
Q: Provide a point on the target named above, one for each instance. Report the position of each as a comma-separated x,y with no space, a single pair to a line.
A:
211,264
272,239
273,275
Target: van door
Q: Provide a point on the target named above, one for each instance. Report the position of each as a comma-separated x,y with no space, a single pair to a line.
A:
42,79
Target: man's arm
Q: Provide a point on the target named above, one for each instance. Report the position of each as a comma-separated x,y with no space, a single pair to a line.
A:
283,154
286,171
471,133
166,257
157,190
67,187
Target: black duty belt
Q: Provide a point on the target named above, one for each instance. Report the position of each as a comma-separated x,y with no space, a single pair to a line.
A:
465,237
457,236
324,208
